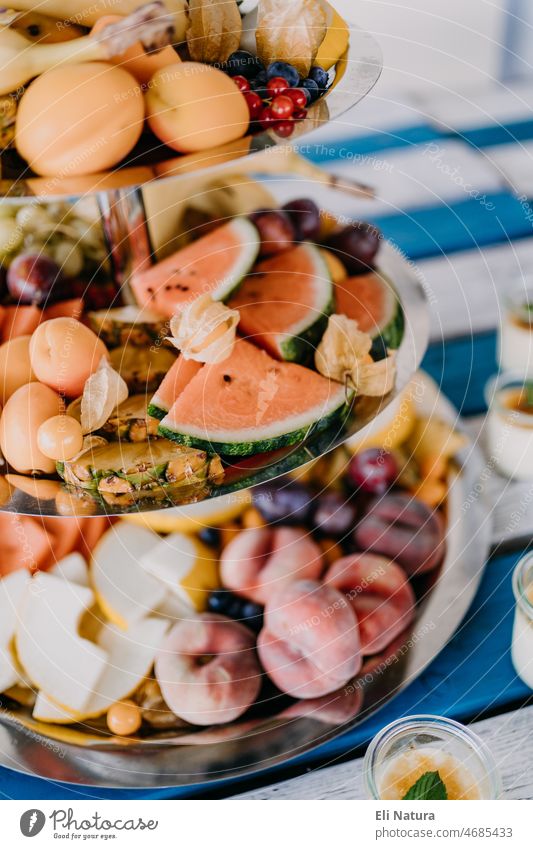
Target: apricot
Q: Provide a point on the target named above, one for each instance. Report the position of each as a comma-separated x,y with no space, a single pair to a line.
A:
191,107
64,353
208,670
26,410
380,594
309,645
259,561
15,366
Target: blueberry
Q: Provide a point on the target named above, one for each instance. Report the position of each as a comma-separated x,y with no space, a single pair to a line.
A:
234,607
210,536
312,87
283,69
218,601
242,63
283,502
252,615
320,76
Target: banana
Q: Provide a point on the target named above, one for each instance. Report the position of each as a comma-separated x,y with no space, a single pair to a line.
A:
21,59
335,42
87,12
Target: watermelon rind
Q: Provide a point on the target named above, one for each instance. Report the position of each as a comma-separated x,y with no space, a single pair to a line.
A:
156,412
260,440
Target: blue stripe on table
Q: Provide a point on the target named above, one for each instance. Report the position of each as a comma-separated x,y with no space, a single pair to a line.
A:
479,137
473,675
461,367
467,225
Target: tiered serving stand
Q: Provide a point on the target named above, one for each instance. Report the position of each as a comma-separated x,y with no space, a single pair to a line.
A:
81,755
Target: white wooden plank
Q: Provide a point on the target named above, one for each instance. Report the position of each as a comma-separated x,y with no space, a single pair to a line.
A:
509,737
515,164
478,106
465,290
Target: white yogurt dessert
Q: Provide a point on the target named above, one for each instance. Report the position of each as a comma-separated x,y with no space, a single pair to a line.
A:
509,426
522,647
516,335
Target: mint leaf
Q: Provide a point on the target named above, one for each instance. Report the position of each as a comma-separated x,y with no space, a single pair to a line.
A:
429,787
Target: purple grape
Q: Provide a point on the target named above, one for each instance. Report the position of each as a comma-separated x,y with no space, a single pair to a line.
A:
31,278
357,246
275,229
305,215
283,502
334,515
373,471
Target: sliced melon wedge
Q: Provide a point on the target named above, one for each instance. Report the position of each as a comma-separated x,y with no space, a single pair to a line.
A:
125,591
187,568
215,263
285,302
49,647
73,568
130,657
251,403
12,591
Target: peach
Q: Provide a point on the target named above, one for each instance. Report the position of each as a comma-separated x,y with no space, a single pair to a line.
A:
380,594
402,528
309,645
64,353
192,107
208,670
259,561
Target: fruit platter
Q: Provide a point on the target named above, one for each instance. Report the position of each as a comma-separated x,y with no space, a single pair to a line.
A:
262,341
95,99
225,637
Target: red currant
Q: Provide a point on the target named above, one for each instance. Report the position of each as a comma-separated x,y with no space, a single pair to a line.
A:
266,118
241,83
282,107
298,97
255,104
277,85
284,128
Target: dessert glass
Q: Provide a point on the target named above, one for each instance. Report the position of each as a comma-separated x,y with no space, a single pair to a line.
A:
409,747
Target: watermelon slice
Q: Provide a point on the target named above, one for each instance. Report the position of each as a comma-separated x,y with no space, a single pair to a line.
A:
174,382
251,403
371,301
285,302
215,263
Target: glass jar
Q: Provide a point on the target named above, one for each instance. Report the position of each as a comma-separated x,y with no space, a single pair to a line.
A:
522,646
509,425
409,747
515,339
